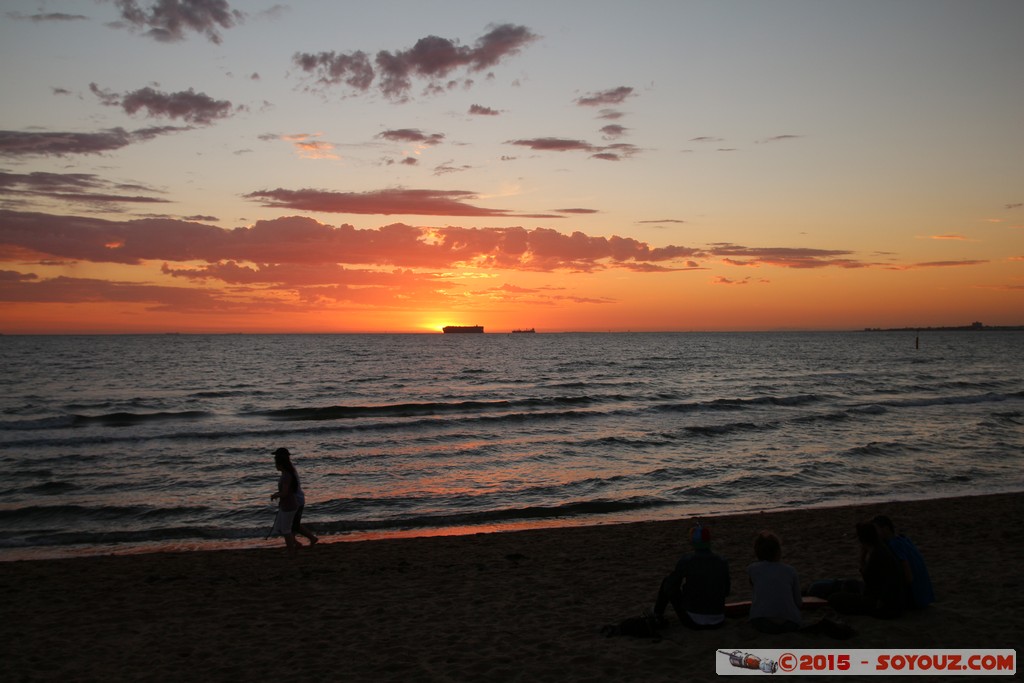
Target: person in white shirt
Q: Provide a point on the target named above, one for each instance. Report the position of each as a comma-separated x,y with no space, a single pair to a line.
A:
775,607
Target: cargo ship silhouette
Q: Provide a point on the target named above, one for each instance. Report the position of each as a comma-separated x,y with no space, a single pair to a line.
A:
460,329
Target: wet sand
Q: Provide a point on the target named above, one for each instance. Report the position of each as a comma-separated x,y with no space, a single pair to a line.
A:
523,606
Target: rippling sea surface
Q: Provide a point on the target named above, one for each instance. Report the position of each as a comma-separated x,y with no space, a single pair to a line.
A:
133,443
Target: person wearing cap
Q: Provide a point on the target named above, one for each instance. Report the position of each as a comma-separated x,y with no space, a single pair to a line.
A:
919,592
698,585
291,502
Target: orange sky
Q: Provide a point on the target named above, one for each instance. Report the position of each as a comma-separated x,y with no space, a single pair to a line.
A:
691,166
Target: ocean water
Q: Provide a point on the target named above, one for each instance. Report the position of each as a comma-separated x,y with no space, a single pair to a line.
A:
138,443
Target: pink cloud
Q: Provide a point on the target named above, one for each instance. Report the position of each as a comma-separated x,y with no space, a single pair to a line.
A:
291,275
306,145
297,240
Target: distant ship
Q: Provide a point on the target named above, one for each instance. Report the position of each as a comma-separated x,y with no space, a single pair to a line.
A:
462,329
529,331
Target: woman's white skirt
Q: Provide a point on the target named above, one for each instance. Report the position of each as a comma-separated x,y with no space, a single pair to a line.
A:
283,523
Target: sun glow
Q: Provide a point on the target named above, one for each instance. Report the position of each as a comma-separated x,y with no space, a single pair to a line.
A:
433,324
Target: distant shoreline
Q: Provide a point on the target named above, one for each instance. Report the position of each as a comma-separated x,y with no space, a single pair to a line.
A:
961,328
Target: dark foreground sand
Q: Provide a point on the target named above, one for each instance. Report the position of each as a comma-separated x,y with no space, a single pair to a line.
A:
522,606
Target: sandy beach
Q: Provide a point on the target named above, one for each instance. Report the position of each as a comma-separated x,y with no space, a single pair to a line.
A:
523,606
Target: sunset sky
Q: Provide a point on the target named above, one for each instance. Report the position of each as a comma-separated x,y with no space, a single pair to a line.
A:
324,166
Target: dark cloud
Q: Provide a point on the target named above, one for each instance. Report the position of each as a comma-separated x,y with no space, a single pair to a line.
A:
448,167
784,257
73,187
432,58
617,151
1015,205
946,264
722,280
554,144
188,105
655,268
613,130
353,69
50,16
86,290
33,143
169,20
779,138
706,138
613,152
577,211
412,135
606,97
289,274
380,202
15,276
478,110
